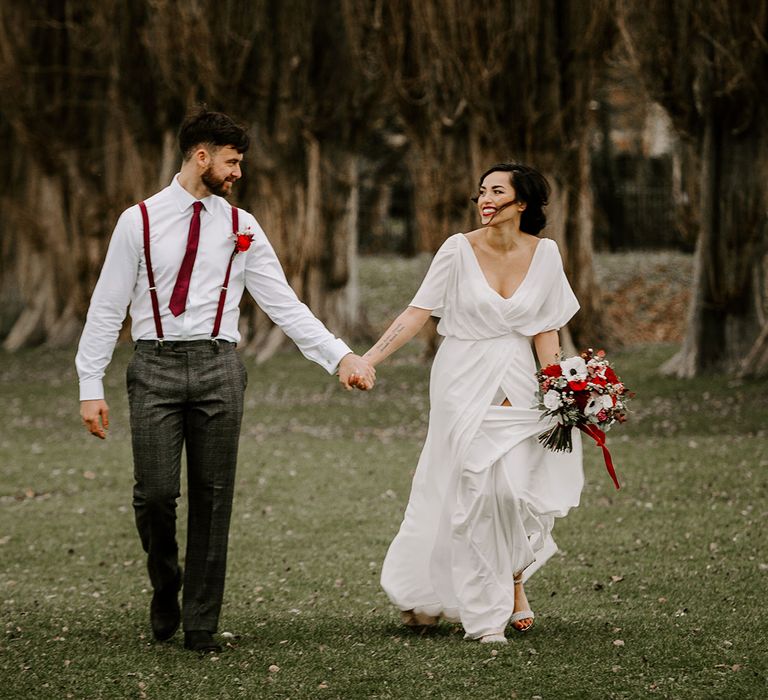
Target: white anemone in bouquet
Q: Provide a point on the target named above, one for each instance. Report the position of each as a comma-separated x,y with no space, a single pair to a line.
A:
597,403
574,369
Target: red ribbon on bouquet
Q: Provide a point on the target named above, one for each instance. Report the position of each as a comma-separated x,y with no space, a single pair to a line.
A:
599,437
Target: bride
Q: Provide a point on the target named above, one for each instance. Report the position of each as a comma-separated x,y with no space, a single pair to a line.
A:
485,493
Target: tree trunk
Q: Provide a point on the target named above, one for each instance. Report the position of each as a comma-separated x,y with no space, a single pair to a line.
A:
727,310
311,220
755,364
440,194
570,224
714,93
587,327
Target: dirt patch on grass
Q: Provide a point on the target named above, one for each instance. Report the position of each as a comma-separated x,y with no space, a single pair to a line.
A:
646,295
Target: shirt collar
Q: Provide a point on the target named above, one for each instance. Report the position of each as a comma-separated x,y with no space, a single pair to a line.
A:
185,200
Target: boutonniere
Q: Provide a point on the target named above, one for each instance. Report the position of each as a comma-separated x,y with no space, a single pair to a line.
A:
243,241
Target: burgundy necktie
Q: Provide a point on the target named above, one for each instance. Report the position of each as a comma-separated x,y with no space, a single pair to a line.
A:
181,289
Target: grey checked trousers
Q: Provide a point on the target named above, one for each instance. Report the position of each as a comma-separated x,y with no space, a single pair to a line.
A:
186,394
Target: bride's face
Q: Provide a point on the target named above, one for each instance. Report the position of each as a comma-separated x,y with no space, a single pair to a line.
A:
496,200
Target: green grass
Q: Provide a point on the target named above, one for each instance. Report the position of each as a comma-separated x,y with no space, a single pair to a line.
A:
674,565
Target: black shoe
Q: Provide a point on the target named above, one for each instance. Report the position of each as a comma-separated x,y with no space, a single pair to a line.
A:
164,612
200,640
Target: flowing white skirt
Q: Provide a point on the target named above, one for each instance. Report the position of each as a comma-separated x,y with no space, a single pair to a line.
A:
461,543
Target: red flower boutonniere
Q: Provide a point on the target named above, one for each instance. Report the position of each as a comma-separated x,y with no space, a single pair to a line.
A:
243,241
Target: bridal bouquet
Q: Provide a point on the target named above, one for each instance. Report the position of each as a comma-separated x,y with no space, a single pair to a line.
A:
582,392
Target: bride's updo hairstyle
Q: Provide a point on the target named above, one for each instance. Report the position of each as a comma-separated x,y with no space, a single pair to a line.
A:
531,188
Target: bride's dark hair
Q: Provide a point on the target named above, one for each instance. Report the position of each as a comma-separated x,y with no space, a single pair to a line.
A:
531,188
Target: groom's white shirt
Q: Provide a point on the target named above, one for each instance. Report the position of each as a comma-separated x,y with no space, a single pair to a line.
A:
123,281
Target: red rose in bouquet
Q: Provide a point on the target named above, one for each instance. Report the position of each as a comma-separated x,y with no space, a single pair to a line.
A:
552,371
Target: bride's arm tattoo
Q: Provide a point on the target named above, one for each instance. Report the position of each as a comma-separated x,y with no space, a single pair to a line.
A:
400,331
386,342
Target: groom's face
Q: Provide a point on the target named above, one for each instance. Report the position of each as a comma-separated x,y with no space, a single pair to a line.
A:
222,171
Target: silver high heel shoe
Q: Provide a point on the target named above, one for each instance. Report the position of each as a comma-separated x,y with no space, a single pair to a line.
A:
521,615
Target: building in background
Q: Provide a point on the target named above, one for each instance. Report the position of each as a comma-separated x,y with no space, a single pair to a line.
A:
642,197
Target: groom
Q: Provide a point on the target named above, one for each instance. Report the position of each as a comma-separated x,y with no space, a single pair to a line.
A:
181,259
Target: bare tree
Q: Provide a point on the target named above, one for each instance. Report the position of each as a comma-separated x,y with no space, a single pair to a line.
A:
474,84
706,63
68,174
91,96
292,78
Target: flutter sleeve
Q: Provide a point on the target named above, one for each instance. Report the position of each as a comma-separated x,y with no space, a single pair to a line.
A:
559,303
431,293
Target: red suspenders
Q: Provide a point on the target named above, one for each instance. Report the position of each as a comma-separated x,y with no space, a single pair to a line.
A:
223,294
151,276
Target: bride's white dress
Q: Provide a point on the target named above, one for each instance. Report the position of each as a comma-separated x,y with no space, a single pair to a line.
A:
485,493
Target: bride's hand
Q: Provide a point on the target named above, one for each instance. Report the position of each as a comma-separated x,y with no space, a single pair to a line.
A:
355,371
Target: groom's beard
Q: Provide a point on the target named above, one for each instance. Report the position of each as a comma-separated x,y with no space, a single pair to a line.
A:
217,185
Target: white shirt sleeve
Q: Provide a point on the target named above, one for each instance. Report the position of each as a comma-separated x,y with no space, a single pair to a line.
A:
431,293
109,303
266,283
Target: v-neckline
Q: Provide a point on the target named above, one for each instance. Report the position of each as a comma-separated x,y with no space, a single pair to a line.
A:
485,279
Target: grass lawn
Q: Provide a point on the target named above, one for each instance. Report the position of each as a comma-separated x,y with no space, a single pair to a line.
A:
658,590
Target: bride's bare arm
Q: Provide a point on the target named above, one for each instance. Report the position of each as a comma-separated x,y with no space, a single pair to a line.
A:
547,347
403,328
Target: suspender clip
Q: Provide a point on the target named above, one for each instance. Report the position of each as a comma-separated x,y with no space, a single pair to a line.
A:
215,344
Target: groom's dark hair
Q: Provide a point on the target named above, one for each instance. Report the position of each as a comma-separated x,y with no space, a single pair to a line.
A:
213,128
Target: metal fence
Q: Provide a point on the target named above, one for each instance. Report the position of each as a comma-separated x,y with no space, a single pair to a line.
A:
635,205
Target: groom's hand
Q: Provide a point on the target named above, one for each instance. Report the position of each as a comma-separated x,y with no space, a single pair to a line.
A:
95,415
354,371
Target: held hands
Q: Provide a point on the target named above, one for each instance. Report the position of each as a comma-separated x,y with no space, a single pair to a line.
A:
95,415
354,371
